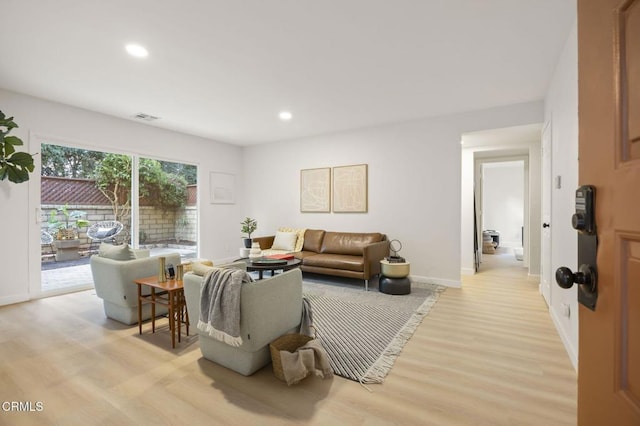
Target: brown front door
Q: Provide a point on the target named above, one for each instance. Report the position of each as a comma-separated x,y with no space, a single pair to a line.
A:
609,155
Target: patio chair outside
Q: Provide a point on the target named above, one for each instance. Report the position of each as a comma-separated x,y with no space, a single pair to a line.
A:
104,231
46,239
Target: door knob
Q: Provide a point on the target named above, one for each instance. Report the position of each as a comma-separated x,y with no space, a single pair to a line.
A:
545,225
586,277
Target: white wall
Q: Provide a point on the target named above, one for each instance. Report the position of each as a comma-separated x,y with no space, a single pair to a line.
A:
414,183
561,109
503,200
38,119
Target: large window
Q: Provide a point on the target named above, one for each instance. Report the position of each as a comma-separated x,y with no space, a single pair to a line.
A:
167,205
86,199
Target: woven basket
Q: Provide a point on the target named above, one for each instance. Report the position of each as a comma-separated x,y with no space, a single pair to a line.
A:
288,342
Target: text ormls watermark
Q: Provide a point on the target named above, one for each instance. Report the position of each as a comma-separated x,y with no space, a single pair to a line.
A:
21,406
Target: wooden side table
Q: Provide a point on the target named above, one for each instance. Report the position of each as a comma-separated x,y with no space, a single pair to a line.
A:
171,295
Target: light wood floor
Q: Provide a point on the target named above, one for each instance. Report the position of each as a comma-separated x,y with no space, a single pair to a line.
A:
487,354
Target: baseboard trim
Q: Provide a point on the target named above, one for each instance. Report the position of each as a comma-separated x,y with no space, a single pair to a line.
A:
467,271
533,276
439,281
571,351
10,300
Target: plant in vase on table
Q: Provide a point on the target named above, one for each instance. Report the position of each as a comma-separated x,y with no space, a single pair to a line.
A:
248,227
66,229
65,232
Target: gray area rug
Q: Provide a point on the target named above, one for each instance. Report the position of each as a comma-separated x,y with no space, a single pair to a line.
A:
364,332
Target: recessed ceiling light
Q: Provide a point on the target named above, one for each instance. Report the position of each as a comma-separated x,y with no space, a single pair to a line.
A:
137,50
285,115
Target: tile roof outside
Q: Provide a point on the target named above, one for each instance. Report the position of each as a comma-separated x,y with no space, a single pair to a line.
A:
59,190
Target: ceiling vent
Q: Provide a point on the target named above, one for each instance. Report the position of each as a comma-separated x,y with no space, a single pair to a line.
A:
145,117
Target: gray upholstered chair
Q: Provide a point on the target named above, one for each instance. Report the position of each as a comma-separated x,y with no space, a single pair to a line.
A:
269,308
114,270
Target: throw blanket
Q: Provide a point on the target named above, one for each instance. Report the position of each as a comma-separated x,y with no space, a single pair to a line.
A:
308,359
220,304
306,322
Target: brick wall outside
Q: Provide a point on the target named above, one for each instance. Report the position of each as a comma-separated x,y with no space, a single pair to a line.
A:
157,227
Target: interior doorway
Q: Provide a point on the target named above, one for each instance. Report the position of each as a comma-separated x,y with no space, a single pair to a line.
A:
520,143
501,192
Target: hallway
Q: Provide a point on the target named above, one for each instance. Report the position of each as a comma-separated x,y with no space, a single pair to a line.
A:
497,338
503,262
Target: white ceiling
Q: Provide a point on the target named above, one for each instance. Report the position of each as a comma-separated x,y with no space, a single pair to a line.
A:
223,69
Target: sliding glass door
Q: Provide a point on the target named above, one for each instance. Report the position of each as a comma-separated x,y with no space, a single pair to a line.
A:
167,207
82,203
92,197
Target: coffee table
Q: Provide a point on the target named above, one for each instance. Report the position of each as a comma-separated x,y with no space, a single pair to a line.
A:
171,295
260,268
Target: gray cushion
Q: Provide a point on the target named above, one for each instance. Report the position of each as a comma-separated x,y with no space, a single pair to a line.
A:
121,252
103,233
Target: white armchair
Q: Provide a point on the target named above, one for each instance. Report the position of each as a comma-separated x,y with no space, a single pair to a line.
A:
114,283
269,308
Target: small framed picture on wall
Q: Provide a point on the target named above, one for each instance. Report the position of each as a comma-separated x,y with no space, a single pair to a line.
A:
222,188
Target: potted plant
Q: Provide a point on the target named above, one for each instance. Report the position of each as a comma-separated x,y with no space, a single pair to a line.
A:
14,165
67,229
248,227
66,232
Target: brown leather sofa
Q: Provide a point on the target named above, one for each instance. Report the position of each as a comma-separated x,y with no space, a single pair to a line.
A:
344,254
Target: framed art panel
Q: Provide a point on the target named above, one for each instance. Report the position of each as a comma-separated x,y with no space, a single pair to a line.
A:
222,187
315,190
350,188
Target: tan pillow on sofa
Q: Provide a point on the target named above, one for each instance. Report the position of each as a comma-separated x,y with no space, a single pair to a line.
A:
300,232
284,241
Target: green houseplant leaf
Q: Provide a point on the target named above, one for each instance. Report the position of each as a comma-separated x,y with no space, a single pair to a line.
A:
13,140
14,165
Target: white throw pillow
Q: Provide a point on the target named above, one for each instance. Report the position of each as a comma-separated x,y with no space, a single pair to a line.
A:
284,241
300,232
